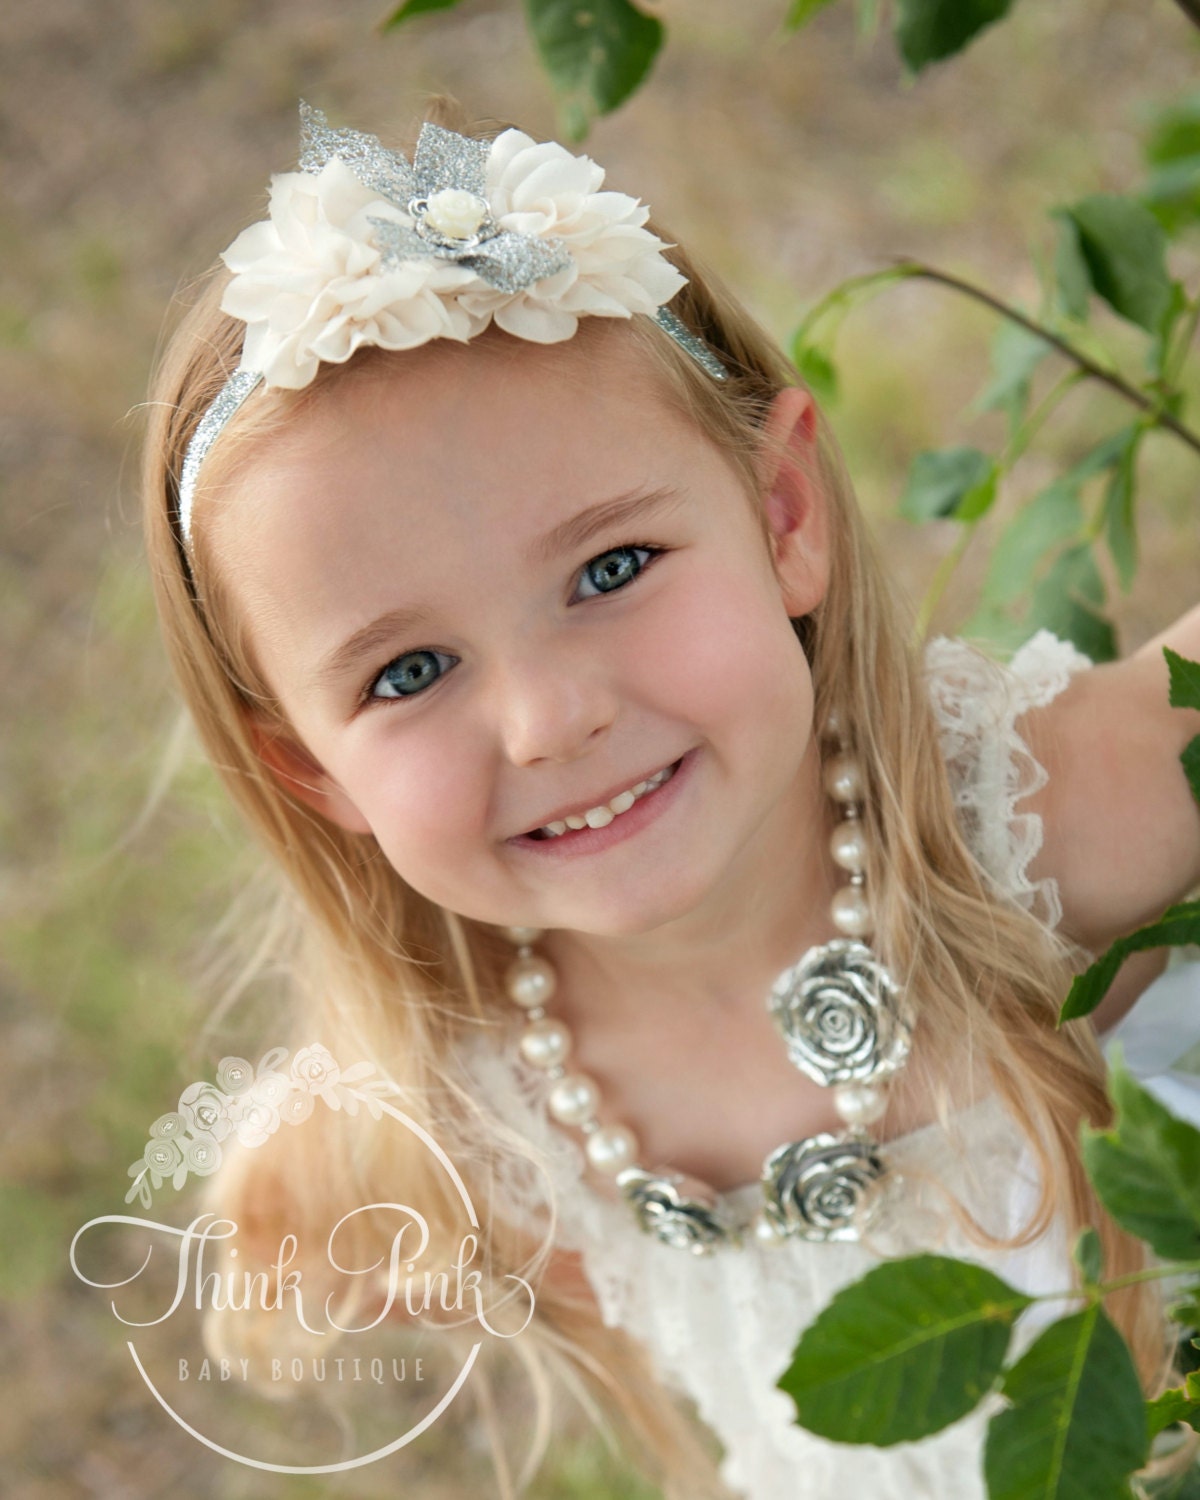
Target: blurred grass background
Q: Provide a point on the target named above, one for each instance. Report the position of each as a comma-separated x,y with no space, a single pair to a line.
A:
137,138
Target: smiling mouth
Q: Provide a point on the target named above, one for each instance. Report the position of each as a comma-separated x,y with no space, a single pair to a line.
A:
605,813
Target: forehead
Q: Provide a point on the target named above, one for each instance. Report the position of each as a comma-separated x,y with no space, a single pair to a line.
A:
401,479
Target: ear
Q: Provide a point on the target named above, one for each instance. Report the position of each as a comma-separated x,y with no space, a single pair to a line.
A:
796,507
303,778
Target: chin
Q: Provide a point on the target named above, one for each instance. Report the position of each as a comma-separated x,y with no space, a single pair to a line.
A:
628,916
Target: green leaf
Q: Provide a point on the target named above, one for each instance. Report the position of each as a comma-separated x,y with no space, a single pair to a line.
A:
1176,132
1052,517
1190,760
1072,282
902,1353
1146,1170
953,482
1172,151
1088,1256
866,18
1076,1429
1172,194
596,52
1064,602
1180,1404
1160,346
1015,354
801,11
1185,679
928,30
1117,510
411,8
1123,247
1185,693
1186,1312
1177,925
1103,456
818,371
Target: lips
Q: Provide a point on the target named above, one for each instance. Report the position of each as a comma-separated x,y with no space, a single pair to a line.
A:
604,811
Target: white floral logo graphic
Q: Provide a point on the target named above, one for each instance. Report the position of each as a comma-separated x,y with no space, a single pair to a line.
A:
243,1106
249,1104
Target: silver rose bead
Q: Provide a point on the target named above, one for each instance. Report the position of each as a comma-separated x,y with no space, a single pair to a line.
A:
668,1214
823,1188
841,1014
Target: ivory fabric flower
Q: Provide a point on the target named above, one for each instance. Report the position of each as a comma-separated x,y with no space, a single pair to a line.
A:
360,247
616,266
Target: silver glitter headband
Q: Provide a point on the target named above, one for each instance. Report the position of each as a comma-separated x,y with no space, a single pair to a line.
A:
363,248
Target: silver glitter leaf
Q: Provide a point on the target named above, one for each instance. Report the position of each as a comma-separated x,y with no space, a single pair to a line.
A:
510,262
446,160
385,172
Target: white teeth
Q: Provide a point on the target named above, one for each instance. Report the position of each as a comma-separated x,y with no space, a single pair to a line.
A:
601,817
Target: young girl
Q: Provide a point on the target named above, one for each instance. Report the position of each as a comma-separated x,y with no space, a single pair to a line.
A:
515,588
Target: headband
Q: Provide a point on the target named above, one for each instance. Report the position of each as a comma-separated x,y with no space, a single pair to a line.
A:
364,248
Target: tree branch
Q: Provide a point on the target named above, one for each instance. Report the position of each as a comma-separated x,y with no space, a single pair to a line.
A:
1089,366
1191,9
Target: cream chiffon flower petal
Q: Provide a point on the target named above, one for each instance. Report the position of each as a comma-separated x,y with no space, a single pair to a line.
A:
315,281
539,324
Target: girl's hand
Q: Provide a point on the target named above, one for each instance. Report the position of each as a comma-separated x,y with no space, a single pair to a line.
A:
1122,829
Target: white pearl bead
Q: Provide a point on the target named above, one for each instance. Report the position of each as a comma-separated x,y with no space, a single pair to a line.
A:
612,1149
843,779
522,936
833,724
859,1103
530,981
545,1044
848,846
766,1234
573,1099
851,912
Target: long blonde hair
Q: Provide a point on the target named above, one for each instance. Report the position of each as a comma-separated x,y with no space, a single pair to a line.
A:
393,976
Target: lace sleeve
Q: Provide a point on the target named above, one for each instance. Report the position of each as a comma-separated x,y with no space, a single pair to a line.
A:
976,702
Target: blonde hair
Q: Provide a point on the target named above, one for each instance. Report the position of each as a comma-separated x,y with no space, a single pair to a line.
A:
391,975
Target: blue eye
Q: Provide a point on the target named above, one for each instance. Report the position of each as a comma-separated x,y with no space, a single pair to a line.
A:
614,569
409,674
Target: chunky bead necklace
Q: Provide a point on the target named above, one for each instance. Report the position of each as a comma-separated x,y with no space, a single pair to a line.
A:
845,1024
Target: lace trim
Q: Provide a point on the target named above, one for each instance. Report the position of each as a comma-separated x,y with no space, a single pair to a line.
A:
976,702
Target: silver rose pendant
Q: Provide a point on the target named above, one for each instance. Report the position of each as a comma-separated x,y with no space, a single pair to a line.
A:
665,1212
825,1187
842,1015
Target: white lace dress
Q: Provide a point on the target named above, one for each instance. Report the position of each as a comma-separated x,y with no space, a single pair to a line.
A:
721,1329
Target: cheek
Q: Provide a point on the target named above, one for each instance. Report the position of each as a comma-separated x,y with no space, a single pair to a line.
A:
423,797
722,649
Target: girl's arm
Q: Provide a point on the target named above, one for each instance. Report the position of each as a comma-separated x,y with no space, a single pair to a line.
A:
1122,829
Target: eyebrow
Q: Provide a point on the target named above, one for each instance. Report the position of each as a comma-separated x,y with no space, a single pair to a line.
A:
566,537
367,642
581,527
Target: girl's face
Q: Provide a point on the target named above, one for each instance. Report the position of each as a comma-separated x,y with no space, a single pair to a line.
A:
491,593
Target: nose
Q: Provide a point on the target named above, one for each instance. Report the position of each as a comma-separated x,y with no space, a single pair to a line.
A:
553,704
